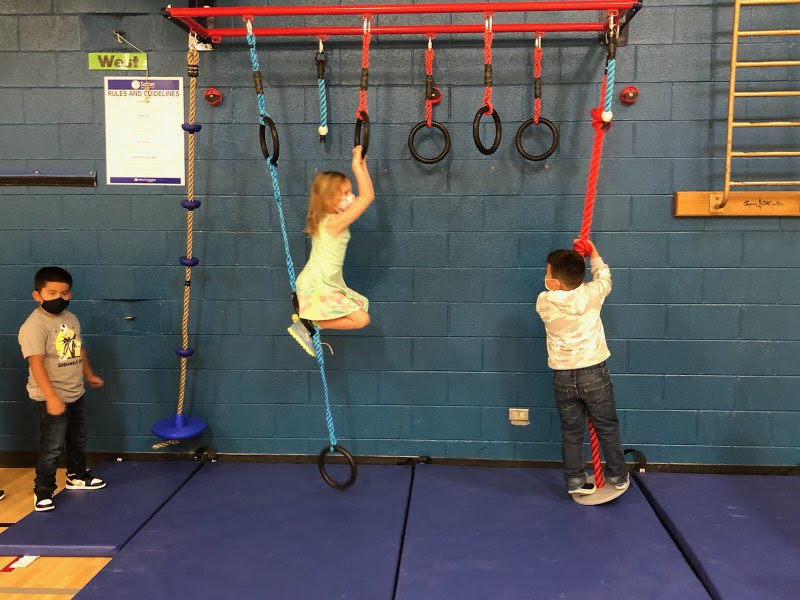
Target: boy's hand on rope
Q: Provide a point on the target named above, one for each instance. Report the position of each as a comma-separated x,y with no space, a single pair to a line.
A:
593,253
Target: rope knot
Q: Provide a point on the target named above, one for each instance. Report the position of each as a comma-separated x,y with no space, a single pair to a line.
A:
598,123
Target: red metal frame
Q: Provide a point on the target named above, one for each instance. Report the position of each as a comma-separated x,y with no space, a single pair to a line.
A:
189,16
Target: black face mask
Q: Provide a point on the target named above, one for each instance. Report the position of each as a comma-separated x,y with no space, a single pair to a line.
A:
55,306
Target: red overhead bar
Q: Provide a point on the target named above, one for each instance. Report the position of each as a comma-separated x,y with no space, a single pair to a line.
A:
188,17
390,29
401,9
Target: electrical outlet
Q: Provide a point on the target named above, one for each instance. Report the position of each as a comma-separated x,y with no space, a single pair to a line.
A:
518,416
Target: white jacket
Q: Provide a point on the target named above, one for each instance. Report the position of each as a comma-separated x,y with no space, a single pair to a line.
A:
575,335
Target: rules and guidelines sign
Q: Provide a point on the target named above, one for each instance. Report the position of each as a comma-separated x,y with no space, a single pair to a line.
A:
144,139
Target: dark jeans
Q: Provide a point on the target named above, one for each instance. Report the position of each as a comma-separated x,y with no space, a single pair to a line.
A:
58,433
582,391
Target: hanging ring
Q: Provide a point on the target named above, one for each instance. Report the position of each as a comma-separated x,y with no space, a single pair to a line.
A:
248,23
498,130
337,485
536,157
367,24
363,141
417,155
276,147
487,21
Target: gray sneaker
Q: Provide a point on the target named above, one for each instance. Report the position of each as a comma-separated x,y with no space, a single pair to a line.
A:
622,485
301,335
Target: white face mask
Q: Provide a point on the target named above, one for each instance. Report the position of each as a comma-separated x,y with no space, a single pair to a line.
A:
550,289
345,203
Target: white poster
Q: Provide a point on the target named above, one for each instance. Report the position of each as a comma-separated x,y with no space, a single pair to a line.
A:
144,139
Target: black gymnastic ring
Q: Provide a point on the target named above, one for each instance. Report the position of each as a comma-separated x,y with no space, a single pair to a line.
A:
358,141
641,459
330,480
498,130
417,155
262,139
553,129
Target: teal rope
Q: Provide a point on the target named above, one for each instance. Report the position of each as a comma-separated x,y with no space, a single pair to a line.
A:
323,104
276,189
611,67
273,171
321,363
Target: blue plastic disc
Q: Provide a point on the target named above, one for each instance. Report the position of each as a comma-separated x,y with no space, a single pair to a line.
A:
179,427
190,204
191,127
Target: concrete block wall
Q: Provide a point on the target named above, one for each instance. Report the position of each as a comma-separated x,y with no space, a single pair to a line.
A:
703,323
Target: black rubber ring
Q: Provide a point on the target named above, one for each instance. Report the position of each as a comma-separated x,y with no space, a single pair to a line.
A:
276,146
417,155
363,119
546,153
330,480
498,130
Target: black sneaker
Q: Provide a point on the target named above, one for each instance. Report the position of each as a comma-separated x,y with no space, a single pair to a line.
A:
585,490
43,503
84,481
2,494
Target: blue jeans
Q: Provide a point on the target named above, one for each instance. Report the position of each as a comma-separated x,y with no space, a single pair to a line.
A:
578,392
58,433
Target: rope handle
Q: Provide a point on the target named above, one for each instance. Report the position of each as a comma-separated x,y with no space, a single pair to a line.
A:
362,94
488,36
430,94
537,79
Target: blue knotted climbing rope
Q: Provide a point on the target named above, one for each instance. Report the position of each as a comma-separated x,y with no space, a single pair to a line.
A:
266,121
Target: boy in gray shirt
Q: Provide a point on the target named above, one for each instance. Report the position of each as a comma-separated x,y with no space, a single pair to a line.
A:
51,342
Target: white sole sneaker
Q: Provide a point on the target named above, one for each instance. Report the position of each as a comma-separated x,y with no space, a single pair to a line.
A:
585,490
44,506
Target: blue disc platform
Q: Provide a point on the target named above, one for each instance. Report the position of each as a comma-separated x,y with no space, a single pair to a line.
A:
741,532
515,534
98,522
260,530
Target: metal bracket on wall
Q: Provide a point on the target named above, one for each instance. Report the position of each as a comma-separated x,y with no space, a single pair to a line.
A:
48,178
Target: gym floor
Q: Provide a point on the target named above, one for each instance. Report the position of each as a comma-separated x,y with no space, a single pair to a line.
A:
182,529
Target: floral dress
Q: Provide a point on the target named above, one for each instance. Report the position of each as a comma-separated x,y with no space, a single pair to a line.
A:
321,291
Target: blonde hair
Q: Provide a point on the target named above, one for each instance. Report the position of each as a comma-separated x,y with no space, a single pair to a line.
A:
325,186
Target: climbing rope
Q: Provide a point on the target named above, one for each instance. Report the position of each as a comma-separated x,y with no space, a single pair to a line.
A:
537,79
432,96
362,115
323,99
488,36
190,204
601,122
488,107
266,121
537,109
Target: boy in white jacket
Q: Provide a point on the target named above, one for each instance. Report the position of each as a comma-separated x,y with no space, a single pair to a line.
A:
577,353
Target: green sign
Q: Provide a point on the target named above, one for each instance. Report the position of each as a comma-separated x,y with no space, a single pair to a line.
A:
117,61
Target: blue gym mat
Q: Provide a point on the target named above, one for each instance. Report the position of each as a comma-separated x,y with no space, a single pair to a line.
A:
741,532
515,534
256,530
98,522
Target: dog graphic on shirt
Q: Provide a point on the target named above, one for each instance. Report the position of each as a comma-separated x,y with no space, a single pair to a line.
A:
67,343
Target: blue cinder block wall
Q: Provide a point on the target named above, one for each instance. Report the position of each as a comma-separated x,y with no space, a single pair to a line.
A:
703,322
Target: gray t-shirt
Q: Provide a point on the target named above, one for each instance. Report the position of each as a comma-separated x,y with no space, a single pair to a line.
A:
58,338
